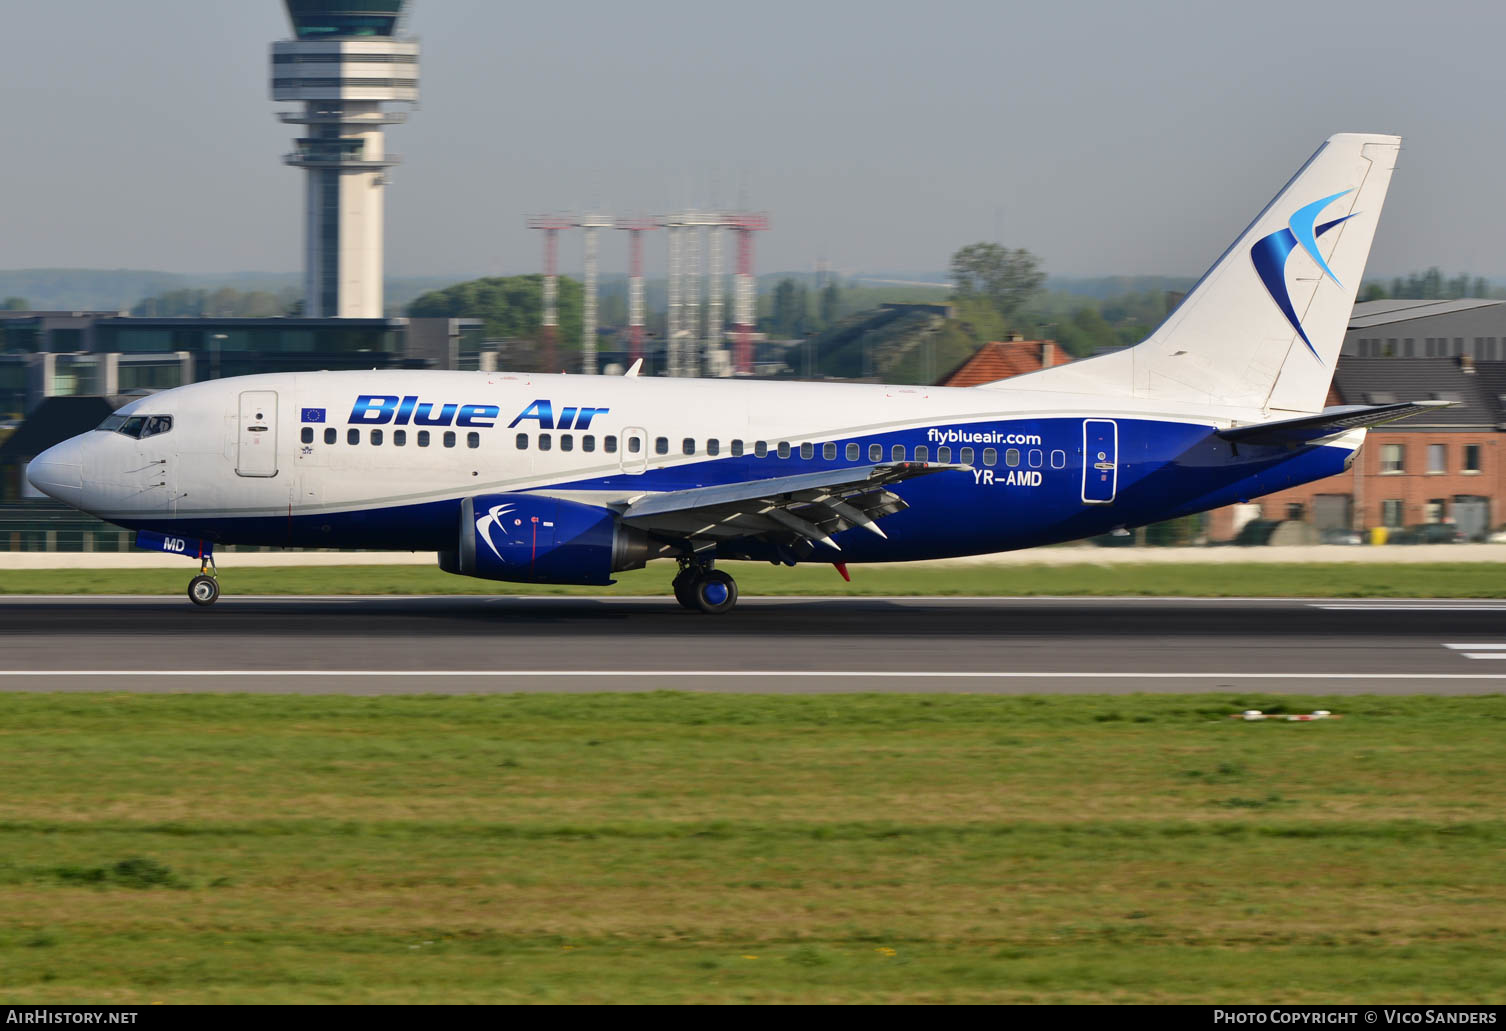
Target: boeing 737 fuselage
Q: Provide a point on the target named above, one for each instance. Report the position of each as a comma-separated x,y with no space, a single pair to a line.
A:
569,479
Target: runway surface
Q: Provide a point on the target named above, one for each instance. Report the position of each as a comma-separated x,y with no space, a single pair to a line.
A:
456,645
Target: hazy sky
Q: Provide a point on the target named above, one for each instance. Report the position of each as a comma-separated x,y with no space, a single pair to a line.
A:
1107,137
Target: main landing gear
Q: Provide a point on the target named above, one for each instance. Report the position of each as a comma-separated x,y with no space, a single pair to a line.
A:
204,589
700,588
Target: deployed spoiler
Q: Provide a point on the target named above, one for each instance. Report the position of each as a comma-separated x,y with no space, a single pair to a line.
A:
1326,423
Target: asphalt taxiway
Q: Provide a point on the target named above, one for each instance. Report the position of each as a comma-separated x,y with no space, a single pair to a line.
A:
454,645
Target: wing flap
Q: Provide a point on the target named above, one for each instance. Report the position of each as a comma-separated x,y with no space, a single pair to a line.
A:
811,506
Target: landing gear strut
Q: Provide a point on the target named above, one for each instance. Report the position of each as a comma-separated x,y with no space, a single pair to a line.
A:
700,588
204,589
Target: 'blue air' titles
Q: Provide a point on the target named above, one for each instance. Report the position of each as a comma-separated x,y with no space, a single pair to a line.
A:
387,409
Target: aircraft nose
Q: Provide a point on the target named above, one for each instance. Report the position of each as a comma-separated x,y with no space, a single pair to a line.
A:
58,472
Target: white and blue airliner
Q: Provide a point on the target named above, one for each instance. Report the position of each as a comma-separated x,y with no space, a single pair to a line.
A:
569,479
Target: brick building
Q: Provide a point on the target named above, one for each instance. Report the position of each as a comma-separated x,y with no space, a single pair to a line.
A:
1442,466
1003,359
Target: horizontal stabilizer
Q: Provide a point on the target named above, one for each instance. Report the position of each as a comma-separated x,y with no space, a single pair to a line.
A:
1326,423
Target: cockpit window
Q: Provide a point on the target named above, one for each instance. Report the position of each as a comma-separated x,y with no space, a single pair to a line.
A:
138,426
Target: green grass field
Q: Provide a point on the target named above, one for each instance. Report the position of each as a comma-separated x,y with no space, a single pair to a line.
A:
714,848
1248,579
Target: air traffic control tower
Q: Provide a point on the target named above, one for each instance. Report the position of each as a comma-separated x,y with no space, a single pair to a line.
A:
345,60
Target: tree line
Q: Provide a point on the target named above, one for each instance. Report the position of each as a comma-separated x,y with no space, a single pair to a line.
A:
1431,286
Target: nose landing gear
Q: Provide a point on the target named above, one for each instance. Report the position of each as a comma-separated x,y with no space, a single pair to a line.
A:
204,589
700,588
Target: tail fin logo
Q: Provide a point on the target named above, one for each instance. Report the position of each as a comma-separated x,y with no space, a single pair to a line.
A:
1271,253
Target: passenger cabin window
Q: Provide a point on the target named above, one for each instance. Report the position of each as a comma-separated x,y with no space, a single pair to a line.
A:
737,449
922,453
473,440
307,436
546,442
688,445
1058,459
521,442
634,445
610,445
828,451
854,452
399,438
784,449
1036,459
449,438
423,438
661,445
567,442
943,455
376,437
331,435
352,436
875,452
966,456
713,447
807,451
990,456
588,442
761,449
897,453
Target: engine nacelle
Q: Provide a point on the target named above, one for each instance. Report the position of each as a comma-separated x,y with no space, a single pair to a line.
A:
530,538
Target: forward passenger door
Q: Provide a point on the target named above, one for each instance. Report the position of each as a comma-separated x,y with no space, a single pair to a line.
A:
256,447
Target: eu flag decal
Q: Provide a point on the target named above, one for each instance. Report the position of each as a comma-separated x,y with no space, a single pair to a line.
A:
313,415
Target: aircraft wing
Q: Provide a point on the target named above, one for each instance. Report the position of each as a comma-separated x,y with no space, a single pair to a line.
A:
812,506
1326,423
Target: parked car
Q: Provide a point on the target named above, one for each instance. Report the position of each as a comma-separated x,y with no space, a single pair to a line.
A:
1499,537
1339,535
1427,533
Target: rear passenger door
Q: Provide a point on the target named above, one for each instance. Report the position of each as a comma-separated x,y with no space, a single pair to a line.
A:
1100,461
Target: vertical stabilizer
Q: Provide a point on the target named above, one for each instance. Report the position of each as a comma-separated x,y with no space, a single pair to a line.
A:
1263,327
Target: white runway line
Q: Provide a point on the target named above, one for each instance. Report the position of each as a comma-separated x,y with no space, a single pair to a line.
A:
732,674
1488,650
1411,608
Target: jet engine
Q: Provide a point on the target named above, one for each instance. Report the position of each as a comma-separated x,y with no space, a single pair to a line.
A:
531,538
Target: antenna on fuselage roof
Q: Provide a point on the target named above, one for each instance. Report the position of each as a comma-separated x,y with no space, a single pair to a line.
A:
632,373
